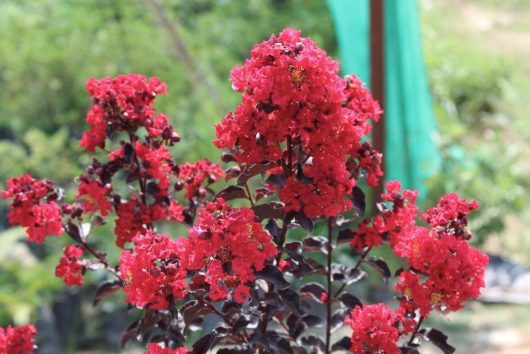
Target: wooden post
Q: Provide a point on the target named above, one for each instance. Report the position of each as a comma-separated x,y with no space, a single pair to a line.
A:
377,78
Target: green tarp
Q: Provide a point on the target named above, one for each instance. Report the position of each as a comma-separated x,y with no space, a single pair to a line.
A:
411,153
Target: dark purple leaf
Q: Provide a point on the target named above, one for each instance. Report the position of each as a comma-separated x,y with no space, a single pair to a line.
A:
304,221
316,244
346,275
193,309
337,320
314,342
314,289
291,299
252,170
343,344
344,236
274,230
437,338
277,180
128,334
359,200
231,192
381,266
349,300
204,344
128,152
226,157
105,290
232,172
273,275
272,210
151,318
311,321
152,188
73,231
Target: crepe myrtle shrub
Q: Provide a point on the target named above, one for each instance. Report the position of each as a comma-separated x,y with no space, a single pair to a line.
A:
295,151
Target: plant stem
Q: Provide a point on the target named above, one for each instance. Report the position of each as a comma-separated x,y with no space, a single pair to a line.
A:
411,341
330,286
101,258
361,259
249,195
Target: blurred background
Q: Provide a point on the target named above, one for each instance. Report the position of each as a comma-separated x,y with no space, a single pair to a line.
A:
473,56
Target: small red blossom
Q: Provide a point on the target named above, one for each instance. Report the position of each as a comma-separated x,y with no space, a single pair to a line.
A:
69,267
125,103
152,271
33,207
192,175
450,215
453,272
284,265
157,162
154,348
135,217
95,195
375,329
394,224
17,340
226,238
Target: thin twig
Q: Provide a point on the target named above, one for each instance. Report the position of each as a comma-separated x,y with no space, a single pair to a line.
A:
361,259
330,286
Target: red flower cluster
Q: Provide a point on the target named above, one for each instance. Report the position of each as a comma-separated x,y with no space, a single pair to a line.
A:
230,246
158,164
375,329
154,348
34,207
296,109
125,103
135,217
192,176
69,267
152,273
393,224
95,196
450,215
17,340
444,270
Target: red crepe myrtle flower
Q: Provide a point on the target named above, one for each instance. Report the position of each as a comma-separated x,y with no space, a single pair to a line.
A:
69,267
293,100
19,340
192,175
33,208
157,162
124,103
325,195
95,196
450,215
395,222
453,272
152,271
135,217
154,348
229,245
375,329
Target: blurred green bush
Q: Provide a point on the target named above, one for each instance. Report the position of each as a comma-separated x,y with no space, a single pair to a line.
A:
481,150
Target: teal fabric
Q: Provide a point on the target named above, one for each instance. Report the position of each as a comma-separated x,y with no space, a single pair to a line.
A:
411,154
352,25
